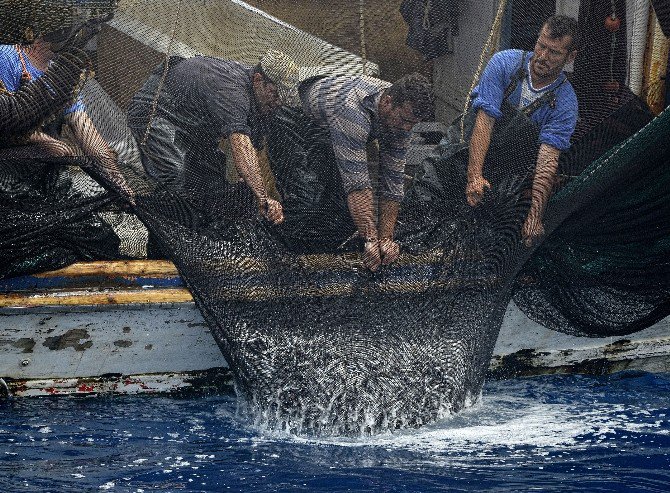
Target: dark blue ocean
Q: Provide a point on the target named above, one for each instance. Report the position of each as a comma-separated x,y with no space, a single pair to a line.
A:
556,433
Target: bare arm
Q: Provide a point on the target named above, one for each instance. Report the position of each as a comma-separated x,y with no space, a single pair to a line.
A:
388,215
52,146
362,213
104,157
479,147
247,165
543,181
361,210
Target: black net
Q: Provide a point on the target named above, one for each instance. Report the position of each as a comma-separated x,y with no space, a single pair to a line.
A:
354,274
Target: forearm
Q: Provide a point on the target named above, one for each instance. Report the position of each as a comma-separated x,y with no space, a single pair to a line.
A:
88,138
104,167
479,144
361,210
388,215
543,180
52,146
247,165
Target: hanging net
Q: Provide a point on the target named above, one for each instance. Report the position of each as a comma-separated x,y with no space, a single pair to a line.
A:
352,243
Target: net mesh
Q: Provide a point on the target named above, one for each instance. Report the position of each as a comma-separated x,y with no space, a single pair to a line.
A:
142,130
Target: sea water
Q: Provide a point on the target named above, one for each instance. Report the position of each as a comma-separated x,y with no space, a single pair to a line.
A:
555,433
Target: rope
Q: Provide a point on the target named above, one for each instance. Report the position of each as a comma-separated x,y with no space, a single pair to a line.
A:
494,33
361,25
426,15
5,388
612,44
166,63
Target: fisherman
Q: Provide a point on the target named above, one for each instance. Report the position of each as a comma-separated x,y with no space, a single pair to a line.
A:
533,83
23,64
23,111
186,111
357,110
50,222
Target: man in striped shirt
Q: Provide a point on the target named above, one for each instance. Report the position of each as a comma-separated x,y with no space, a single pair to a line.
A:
357,110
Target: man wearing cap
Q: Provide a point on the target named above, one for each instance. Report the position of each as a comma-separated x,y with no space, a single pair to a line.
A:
357,110
182,123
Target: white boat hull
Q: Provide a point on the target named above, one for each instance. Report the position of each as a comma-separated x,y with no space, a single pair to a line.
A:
167,347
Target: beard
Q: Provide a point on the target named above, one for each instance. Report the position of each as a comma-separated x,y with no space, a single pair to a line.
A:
544,71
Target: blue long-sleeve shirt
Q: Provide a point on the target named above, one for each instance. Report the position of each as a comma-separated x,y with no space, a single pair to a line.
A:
11,70
556,124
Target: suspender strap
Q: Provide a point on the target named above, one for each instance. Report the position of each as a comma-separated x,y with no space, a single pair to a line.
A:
548,97
25,75
518,76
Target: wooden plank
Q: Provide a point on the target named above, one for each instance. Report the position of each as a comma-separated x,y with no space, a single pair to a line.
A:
141,268
165,268
88,297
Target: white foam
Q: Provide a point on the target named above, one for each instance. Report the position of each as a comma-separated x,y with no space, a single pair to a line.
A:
508,422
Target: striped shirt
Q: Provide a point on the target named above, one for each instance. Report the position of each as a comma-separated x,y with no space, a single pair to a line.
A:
348,107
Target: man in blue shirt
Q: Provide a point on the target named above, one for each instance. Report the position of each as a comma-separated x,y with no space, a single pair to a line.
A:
541,85
23,64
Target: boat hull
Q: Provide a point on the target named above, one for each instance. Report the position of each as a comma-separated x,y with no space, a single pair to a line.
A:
132,327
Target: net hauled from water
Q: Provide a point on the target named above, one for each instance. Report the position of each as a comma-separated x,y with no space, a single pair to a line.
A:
318,343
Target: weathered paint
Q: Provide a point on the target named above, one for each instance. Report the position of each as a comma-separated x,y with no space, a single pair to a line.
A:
168,348
526,348
83,347
90,341
212,381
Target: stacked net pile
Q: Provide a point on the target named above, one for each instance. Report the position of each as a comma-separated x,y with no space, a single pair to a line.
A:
319,342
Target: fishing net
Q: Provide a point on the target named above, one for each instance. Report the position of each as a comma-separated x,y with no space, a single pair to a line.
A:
318,341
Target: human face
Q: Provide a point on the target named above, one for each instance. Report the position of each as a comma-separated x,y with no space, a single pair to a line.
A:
549,57
266,94
396,117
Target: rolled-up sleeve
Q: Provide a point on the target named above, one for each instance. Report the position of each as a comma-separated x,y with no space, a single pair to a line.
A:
349,131
488,95
230,108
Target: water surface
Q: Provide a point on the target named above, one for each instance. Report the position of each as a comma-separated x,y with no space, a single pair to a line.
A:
557,433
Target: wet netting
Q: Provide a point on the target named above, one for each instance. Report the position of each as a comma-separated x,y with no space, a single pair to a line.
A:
351,230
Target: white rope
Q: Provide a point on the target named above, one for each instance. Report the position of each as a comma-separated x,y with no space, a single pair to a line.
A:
166,63
487,52
361,25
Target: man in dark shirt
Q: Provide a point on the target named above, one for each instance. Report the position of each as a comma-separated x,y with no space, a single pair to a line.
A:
182,122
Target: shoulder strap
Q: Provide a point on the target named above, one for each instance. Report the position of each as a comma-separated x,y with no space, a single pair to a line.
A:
25,75
548,97
517,77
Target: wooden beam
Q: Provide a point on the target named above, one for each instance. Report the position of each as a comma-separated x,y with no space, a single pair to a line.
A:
165,268
83,298
140,268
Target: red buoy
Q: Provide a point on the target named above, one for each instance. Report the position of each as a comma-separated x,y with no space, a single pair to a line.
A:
611,86
612,23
